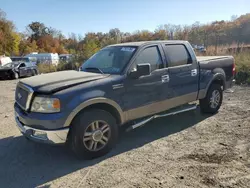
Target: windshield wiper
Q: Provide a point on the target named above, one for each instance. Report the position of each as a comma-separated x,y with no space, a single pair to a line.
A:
95,68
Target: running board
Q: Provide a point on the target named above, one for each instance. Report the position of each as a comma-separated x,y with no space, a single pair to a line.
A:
141,123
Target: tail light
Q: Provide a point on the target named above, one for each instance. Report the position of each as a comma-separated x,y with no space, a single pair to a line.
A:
234,69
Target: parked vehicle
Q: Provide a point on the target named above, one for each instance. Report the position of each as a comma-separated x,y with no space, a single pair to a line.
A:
16,70
24,59
48,58
128,83
66,57
4,60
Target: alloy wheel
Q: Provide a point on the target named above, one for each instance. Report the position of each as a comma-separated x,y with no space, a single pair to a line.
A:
96,135
215,99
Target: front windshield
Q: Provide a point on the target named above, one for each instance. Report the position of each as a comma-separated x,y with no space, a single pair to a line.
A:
10,65
110,60
23,59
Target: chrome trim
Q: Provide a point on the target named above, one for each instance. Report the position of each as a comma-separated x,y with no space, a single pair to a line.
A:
28,101
194,72
52,136
94,101
165,78
117,86
160,116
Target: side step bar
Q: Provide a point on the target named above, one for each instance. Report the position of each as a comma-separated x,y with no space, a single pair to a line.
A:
141,123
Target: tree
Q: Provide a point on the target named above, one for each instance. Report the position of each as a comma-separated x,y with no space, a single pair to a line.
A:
16,42
36,30
42,38
115,35
6,35
26,47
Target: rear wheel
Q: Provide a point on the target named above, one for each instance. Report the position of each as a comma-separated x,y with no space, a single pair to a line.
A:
93,134
212,102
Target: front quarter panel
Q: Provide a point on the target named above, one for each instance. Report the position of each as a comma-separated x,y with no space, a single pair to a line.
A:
79,97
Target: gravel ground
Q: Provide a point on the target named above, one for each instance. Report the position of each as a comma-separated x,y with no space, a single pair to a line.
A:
186,150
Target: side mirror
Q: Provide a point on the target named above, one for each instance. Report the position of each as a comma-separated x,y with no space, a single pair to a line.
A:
141,70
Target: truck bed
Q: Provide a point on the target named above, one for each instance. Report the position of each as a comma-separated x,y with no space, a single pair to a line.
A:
226,63
211,62
210,58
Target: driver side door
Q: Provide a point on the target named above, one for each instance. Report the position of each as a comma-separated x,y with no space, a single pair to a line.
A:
22,70
143,93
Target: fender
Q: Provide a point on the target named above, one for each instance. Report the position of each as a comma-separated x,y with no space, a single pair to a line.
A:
91,102
216,76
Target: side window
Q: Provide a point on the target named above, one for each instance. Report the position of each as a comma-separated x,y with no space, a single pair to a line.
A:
22,65
150,55
177,55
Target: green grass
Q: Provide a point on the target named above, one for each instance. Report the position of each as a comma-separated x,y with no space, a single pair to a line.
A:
242,61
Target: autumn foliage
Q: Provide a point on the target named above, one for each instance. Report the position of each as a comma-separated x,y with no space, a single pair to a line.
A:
219,37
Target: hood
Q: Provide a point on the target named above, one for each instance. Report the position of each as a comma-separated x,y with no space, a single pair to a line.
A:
53,82
2,69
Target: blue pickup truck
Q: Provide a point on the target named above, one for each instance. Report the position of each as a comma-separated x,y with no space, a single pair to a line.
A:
128,83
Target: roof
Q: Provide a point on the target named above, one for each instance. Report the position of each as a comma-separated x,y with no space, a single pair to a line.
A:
148,42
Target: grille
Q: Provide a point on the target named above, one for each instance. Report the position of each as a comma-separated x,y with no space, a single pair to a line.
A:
22,96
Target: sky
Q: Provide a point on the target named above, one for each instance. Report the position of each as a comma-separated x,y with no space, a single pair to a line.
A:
82,16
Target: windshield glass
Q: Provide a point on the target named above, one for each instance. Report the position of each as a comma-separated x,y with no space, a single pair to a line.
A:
23,59
11,65
110,60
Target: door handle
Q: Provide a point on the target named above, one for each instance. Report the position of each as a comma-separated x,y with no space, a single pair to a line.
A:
194,72
165,78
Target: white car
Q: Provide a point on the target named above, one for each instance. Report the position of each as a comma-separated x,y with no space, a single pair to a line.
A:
4,60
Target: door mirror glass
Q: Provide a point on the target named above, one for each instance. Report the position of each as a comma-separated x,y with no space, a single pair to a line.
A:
141,70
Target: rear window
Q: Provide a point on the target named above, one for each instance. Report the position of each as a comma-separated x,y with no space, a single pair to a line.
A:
177,55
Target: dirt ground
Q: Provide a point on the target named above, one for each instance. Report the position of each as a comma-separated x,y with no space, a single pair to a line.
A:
186,150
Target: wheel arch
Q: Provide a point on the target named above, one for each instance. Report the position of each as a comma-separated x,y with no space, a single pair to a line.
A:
218,78
99,103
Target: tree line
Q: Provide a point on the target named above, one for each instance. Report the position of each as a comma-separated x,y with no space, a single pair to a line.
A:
40,38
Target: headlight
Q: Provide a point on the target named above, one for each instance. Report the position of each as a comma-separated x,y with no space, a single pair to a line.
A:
45,105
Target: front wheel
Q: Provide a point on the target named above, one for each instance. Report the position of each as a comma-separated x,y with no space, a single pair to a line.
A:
15,75
93,134
212,102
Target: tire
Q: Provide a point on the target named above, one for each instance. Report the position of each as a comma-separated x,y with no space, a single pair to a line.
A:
33,73
83,138
211,104
15,75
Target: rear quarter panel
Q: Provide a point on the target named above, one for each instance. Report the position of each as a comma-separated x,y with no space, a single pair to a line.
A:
218,68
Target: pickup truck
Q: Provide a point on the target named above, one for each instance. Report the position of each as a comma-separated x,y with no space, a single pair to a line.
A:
122,84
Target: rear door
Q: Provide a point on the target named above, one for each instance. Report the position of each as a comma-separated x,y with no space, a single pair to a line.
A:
183,74
142,94
28,69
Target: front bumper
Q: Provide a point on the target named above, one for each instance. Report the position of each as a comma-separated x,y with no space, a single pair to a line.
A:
43,136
